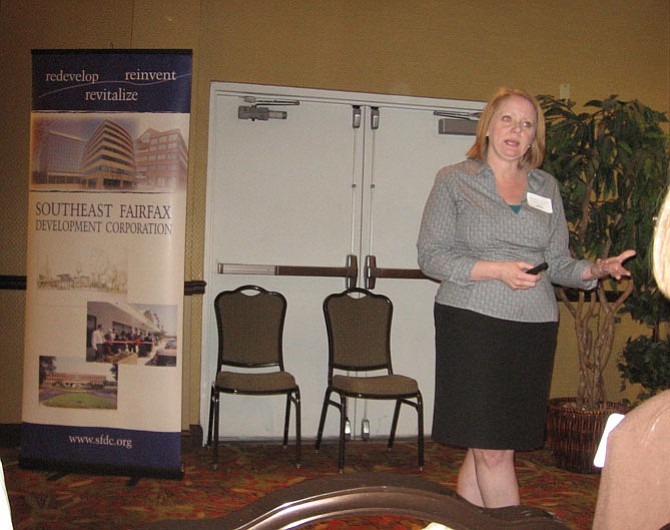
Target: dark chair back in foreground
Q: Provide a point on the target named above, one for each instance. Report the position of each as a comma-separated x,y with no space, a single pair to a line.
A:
369,494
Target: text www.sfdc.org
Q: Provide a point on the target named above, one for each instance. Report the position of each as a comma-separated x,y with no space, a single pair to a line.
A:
102,439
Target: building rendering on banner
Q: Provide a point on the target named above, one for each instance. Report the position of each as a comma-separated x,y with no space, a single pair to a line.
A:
109,159
60,160
75,380
162,158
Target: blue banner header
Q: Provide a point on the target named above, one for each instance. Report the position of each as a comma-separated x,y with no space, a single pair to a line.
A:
113,81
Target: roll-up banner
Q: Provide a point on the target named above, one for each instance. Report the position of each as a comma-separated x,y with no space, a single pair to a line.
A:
105,271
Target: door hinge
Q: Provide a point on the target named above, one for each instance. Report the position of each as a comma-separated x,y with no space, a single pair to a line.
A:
357,114
374,118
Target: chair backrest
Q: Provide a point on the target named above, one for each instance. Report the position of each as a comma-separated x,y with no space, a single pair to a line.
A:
250,322
359,330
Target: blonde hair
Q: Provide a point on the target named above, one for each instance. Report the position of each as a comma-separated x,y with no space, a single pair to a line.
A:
535,154
660,263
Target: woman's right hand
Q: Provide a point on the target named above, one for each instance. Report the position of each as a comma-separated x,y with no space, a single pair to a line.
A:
511,273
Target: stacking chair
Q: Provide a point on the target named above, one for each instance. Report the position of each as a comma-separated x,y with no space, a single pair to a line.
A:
359,341
250,323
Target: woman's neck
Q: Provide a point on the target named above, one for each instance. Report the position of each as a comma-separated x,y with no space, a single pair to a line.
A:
511,181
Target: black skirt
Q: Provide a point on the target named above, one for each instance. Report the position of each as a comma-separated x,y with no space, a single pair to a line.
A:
492,380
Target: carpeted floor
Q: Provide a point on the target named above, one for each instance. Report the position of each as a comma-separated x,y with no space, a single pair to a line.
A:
45,500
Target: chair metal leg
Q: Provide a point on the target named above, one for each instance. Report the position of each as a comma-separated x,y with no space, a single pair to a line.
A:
419,410
298,430
342,406
322,420
287,418
343,422
420,433
215,452
211,418
394,423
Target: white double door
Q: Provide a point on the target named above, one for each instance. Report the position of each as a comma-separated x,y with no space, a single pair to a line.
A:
341,175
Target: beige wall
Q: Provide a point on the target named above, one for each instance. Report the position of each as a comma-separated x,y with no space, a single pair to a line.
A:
434,48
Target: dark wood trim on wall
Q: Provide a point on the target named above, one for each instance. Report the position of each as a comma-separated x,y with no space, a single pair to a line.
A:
18,283
192,287
12,283
10,434
573,295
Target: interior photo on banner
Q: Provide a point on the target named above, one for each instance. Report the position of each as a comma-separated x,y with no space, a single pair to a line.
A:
106,234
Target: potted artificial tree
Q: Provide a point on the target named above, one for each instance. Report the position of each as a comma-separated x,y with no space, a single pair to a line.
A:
608,160
646,361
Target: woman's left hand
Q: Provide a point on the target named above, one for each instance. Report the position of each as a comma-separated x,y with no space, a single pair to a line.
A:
612,266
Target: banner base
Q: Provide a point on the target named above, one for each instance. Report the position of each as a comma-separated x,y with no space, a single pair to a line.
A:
80,468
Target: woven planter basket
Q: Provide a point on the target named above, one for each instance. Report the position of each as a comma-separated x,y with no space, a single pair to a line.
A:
573,434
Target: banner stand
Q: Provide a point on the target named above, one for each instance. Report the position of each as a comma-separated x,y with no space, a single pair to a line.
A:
106,237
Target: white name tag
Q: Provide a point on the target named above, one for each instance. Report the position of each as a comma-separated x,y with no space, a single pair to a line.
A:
539,203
